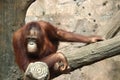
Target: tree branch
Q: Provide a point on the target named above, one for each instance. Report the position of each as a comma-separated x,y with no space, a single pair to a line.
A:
93,53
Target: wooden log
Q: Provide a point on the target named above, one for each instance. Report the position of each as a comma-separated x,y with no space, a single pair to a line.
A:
37,71
93,52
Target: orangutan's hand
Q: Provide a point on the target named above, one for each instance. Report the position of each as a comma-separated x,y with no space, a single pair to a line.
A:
62,65
95,39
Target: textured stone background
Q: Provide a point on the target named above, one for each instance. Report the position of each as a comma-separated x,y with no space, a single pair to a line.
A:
83,17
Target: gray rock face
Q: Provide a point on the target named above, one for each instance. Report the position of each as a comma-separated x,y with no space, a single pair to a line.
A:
82,17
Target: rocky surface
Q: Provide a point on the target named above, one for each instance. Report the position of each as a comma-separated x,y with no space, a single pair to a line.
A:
83,17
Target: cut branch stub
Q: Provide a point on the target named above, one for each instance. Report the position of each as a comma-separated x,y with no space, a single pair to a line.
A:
37,71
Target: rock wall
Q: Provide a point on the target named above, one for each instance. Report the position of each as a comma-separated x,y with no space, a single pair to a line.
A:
83,17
